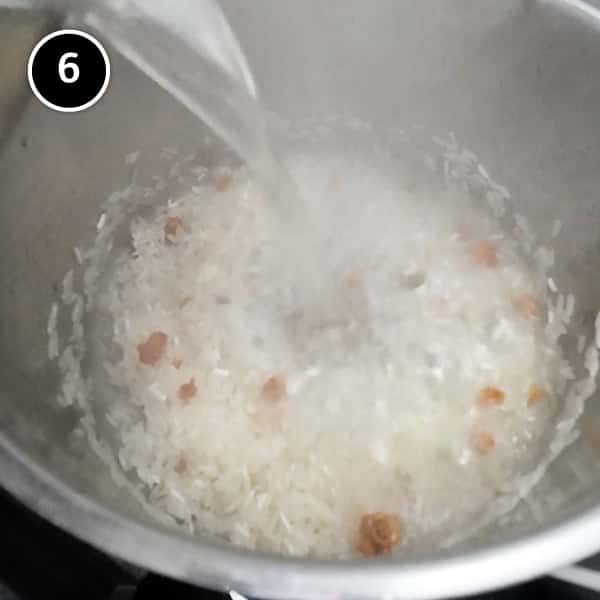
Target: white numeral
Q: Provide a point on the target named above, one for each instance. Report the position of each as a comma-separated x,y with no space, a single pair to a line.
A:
63,65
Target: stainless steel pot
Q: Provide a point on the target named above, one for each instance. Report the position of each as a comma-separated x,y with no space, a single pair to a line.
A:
517,80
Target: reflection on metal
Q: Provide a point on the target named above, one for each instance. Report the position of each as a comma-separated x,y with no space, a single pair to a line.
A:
591,8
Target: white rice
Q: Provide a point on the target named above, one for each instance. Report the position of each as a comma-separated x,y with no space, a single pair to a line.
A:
101,222
367,443
168,153
132,158
77,254
68,293
382,395
569,307
556,227
52,332
524,229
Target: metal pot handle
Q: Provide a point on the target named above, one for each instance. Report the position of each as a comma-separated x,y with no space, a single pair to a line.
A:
578,575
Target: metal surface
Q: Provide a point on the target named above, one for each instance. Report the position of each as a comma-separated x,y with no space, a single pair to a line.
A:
517,81
19,31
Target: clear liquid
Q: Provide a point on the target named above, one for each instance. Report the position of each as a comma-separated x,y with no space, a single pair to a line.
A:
188,48
191,52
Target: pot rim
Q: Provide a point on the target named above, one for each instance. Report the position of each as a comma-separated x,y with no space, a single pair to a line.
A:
267,576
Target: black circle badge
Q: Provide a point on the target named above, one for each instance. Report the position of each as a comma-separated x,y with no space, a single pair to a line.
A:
68,70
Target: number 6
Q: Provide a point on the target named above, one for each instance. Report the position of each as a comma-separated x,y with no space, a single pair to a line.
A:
63,65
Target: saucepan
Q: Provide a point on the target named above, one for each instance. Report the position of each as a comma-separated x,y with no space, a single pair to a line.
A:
518,81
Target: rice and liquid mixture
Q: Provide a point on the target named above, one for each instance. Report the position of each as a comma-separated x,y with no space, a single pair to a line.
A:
412,402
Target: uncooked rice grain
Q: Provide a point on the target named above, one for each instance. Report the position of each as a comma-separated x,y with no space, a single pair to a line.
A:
52,332
556,227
